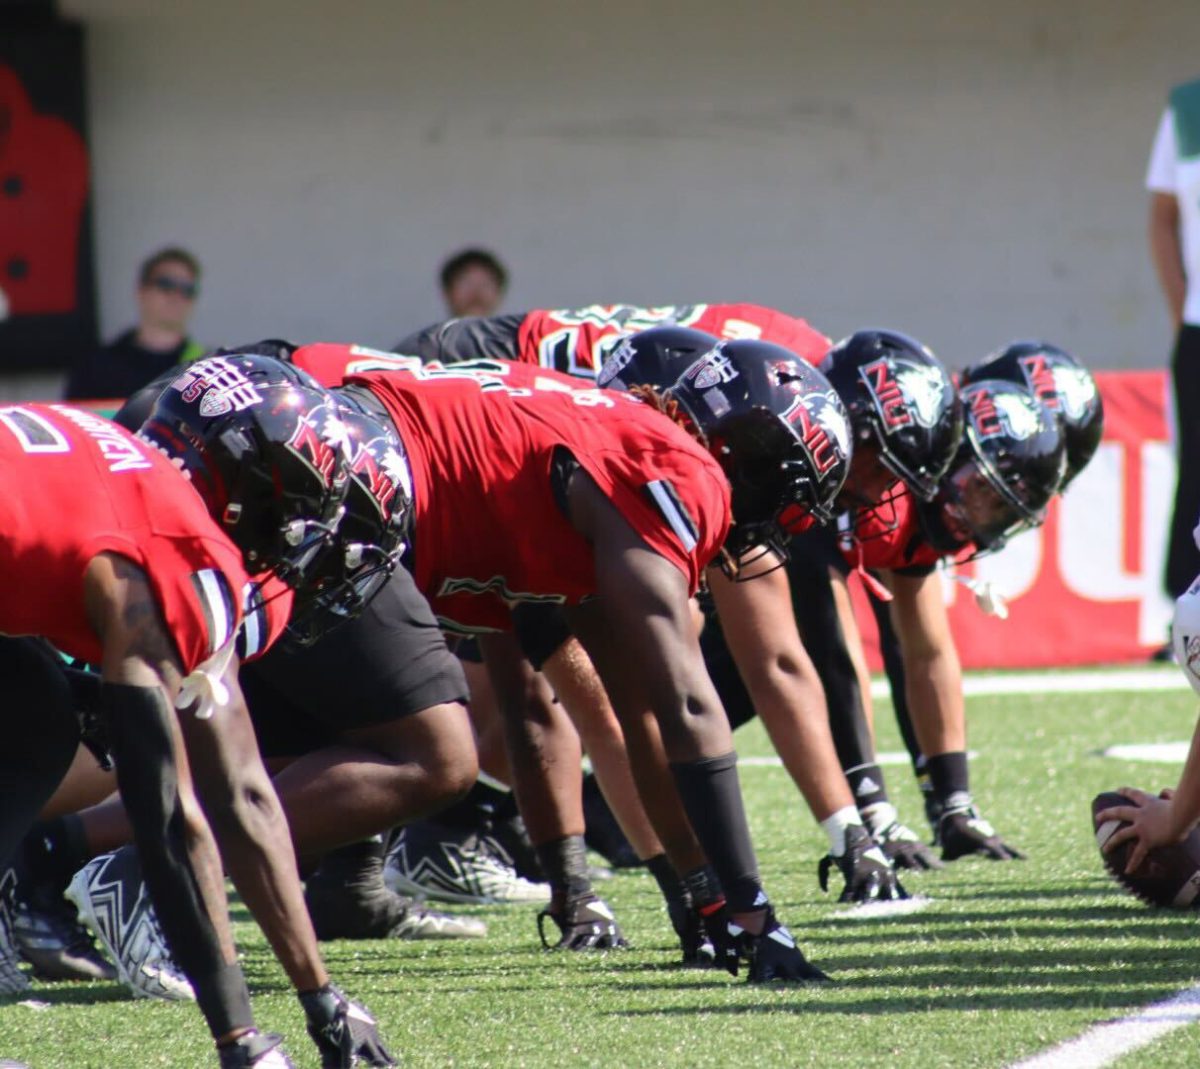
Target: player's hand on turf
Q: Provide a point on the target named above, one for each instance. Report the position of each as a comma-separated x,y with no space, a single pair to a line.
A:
868,874
344,1032
904,849
584,923
963,831
1152,823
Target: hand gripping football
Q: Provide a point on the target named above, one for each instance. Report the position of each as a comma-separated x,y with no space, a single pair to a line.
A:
1169,876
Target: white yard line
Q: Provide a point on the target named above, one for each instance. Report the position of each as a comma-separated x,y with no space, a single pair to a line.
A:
1104,1043
1082,682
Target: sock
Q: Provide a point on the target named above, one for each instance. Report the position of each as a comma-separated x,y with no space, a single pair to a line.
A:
951,780
52,852
704,889
712,799
835,827
672,887
357,867
565,864
867,786
478,808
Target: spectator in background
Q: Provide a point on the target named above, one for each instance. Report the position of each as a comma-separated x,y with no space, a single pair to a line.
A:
1173,179
168,282
473,283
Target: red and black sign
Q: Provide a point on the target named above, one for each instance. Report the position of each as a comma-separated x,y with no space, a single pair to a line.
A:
47,290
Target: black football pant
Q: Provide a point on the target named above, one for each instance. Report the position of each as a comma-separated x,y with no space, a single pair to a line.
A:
1183,559
41,735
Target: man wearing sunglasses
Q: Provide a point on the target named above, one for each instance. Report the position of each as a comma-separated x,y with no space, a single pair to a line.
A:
168,284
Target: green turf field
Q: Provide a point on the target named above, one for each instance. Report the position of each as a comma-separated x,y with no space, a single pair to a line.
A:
1009,959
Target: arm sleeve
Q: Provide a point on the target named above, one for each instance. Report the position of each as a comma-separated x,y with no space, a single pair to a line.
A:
1160,173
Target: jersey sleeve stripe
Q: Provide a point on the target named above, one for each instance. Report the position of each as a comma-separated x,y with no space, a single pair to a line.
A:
253,631
669,504
216,600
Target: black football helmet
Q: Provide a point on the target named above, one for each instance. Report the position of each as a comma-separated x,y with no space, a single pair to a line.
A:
1061,383
263,444
900,398
774,423
1010,464
374,530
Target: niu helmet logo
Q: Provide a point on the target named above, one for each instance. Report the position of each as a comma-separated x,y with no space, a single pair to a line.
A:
999,413
884,387
905,393
315,451
1040,377
381,479
821,441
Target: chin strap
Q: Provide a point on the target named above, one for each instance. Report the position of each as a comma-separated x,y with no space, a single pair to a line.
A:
872,584
204,686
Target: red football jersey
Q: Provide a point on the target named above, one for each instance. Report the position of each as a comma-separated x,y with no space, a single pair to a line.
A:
488,531
76,485
576,341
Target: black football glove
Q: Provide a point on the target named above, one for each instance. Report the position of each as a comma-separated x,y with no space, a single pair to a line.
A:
344,1032
868,874
254,1049
584,923
773,954
963,831
904,848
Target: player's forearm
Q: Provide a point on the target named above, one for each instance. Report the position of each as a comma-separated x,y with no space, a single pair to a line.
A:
1167,253
1185,805
934,688
257,849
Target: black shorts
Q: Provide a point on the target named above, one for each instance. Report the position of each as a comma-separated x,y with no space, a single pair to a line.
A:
388,663
541,630
472,338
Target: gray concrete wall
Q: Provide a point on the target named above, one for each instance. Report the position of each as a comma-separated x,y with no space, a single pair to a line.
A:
967,171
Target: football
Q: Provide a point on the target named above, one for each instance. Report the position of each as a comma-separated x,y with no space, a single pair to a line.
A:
1169,876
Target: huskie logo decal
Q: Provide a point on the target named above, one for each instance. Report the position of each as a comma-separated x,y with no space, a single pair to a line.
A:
385,477
1059,386
1016,413
904,393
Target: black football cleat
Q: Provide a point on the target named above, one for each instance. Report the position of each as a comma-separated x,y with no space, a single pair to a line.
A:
694,940
255,1050
57,945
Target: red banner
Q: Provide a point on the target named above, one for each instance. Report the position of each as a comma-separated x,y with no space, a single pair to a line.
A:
1087,587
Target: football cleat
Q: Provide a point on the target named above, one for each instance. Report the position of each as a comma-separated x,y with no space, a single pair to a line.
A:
429,860
344,1031
868,873
12,980
963,831
255,1050
584,923
57,945
773,954
509,841
113,902
904,848
347,899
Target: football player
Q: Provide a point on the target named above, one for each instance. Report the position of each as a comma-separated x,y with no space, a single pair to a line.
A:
1062,384
112,557
620,511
